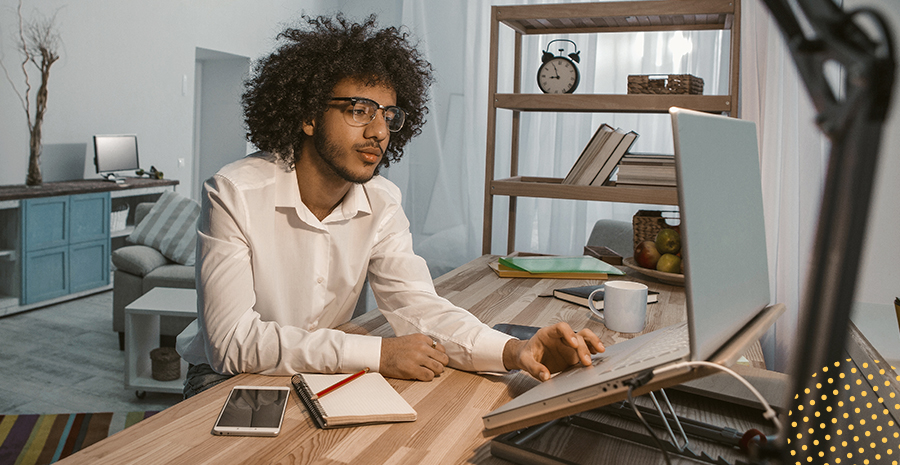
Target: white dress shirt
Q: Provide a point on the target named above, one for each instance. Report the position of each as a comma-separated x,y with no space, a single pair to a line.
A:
273,280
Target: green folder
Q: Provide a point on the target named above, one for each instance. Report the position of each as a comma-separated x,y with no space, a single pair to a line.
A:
558,264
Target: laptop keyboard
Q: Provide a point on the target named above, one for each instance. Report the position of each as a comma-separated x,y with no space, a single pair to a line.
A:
667,341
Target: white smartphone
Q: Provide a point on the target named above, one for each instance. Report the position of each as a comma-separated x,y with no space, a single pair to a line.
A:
253,411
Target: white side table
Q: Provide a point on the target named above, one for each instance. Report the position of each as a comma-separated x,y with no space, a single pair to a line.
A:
142,336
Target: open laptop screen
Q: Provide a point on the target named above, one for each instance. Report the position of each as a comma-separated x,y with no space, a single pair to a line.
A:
722,225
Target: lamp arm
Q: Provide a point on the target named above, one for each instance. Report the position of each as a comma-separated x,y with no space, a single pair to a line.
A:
853,120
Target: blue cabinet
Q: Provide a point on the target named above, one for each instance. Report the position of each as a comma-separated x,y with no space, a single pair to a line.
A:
65,244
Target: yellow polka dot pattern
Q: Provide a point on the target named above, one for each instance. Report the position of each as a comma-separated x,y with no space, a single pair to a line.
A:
860,429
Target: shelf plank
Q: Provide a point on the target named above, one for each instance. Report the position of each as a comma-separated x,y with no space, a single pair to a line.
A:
573,18
524,186
614,103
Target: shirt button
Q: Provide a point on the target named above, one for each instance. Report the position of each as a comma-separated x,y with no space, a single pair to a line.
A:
320,280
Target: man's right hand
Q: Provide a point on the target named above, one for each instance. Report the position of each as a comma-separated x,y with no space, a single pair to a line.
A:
412,357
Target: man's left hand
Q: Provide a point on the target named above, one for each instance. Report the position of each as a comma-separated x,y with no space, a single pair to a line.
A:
554,348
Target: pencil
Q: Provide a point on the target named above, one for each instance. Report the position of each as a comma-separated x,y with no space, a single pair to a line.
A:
340,383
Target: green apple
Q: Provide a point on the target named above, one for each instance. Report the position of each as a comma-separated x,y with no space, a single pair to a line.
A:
668,241
669,263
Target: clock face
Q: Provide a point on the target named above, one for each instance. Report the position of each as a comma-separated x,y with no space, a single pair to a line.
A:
558,75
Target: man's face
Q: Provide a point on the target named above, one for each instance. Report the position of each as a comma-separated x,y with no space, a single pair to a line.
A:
353,152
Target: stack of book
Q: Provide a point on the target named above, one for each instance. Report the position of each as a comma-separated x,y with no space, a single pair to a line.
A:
645,169
600,157
553,267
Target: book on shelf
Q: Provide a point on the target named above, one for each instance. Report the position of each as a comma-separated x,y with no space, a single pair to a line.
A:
599,160
590,151
369,399
648,177
579,295
646,157
646,169
616,154
645,183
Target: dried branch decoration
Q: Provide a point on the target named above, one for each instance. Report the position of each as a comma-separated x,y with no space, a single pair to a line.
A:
39,44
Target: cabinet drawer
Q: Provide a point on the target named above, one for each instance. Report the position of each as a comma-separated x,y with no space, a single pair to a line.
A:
88,217
45,223
46,274
88,265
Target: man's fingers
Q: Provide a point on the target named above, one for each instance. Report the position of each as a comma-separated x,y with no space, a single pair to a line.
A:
563,331
592,340
434,366
535,368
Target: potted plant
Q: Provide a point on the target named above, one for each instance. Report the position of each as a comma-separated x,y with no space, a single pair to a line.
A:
39,44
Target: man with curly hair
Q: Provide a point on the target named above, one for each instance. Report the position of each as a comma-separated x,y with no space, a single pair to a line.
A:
288,235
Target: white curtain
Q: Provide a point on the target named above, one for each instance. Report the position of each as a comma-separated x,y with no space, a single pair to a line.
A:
442,175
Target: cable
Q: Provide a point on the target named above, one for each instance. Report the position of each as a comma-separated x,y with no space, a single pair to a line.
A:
639,381
769,413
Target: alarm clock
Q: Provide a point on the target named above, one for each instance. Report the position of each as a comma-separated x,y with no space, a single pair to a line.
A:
558,74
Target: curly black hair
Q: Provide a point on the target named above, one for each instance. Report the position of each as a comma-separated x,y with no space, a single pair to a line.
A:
294,84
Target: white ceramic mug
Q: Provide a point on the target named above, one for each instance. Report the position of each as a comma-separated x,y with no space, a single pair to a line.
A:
624,306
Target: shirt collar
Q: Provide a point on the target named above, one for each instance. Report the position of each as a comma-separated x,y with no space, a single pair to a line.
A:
287,194
355,203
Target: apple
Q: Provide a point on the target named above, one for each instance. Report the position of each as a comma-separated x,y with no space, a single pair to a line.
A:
668,241
646,254
669,263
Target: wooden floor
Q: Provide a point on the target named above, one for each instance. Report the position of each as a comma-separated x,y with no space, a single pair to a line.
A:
66,359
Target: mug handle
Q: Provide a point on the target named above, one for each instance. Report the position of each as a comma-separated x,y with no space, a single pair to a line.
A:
598,313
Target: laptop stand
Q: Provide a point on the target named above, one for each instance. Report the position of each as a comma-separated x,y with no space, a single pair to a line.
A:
515,446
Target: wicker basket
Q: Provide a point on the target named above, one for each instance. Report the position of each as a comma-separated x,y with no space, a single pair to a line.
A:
118,218
664,84
165,364
647,223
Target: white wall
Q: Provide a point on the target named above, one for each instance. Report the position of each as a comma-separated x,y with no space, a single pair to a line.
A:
879,280
128,67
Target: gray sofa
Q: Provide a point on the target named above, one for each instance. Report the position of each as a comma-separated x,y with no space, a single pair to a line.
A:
615,234
140,268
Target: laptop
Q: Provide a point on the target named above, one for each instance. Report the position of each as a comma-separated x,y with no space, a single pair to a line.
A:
726,281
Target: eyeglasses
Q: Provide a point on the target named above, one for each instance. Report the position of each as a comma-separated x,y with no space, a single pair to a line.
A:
363,112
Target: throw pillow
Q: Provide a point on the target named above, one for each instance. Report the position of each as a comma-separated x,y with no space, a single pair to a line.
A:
170,227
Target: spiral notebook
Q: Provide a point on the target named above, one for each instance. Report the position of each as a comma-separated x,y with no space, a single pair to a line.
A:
369,399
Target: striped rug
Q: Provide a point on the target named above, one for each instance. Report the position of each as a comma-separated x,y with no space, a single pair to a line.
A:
43,439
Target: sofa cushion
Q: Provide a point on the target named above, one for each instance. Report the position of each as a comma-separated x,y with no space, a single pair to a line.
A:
138,260
170,227
172,275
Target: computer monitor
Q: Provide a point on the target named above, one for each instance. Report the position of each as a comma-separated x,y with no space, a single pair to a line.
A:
114,153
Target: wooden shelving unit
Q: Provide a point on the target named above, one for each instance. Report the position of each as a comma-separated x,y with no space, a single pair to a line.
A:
601,17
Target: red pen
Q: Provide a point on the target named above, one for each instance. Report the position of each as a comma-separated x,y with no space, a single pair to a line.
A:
340,383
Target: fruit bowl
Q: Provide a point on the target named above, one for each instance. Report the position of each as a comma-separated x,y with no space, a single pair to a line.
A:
668,278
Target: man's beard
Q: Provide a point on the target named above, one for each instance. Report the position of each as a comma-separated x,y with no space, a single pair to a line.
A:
330,153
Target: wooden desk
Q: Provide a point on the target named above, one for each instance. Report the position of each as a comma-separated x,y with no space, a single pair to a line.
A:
449,425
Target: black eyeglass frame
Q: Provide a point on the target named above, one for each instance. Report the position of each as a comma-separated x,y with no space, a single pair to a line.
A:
353,121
